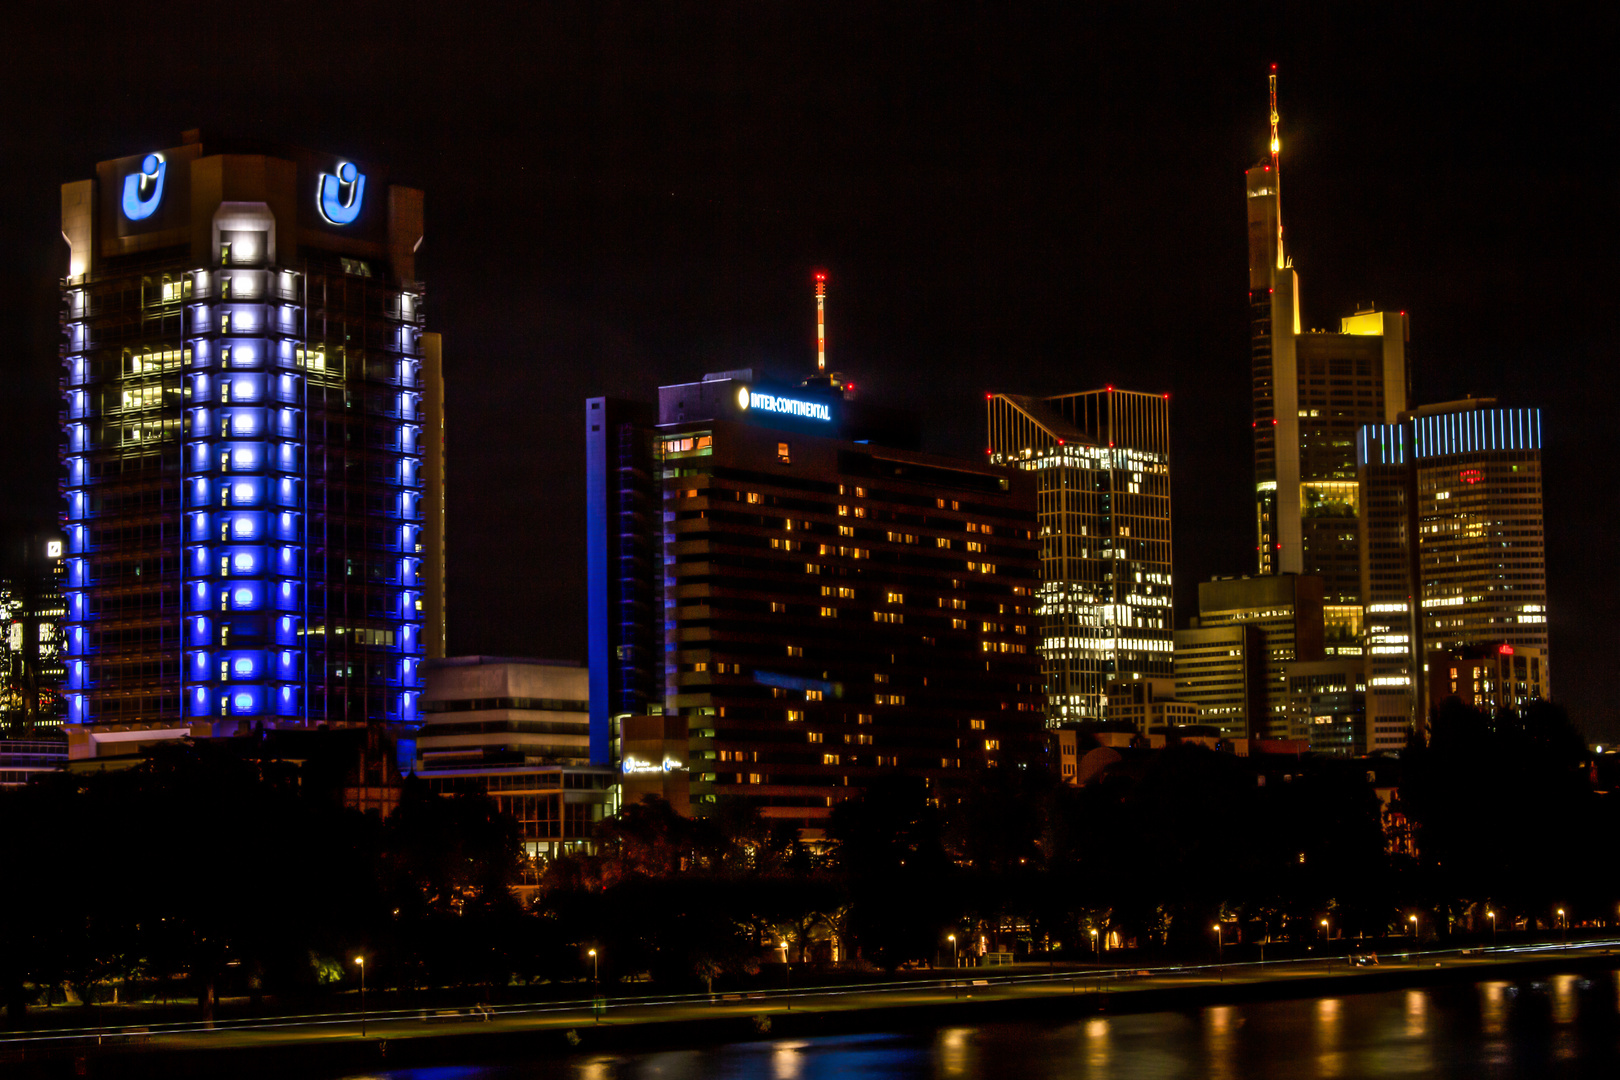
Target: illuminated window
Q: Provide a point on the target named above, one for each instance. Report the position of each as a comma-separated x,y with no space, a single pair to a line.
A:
812,736
795,715
846,591
895,598
784,453
795,650
829,759
846,530
777,607
812,695
942,541
752,497
860,511
976,725
829,613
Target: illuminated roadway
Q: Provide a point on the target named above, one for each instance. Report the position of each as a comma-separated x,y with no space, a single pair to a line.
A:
972,986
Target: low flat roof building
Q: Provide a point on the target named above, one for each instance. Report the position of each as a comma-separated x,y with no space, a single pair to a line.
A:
1149,705
518,730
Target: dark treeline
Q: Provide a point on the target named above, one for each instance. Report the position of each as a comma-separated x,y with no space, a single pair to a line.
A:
201,872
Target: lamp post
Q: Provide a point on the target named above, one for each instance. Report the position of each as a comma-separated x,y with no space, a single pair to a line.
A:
360,961
1491,915
1220,951
1096,943
592,955
1327,938
1413,920
955,962
1563,925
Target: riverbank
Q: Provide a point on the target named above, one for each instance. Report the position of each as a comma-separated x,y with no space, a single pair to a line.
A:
334,1046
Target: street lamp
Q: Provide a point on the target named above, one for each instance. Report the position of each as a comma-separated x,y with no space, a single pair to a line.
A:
1096,943
592,955
954,961
361,962
1220,950
1491,915
1413,920
1563,925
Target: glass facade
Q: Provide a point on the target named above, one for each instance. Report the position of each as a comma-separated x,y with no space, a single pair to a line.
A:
1102,466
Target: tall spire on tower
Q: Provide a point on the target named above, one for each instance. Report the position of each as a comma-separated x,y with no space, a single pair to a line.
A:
1276,167
821,320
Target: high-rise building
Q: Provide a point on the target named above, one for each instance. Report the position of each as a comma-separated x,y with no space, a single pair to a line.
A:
1101,462
31,662
251,441
1287,609
1312,392
1222,672
1327,701
807,603
1457,531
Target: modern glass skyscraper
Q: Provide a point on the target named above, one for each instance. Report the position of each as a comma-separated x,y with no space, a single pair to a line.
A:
1312,392
252,441
1101,460
1457,531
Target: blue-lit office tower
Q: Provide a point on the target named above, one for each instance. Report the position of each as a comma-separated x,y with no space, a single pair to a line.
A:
252,447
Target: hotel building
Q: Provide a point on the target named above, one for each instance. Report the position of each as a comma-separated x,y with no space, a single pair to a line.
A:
1312,392
252,446
1457,531
1101,463
788,603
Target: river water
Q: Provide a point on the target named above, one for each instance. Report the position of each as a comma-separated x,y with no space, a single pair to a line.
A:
1559,1025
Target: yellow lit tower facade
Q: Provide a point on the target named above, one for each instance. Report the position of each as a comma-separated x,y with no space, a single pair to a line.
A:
1312,392
1102,465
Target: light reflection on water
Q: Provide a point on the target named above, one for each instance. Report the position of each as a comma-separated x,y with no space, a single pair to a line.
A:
1566,1024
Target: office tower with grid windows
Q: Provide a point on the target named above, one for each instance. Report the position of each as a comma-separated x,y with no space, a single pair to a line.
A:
1101,463
252,445
799,604
1312,391
1454,553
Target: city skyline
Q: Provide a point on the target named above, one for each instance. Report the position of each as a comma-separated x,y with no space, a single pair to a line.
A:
701,263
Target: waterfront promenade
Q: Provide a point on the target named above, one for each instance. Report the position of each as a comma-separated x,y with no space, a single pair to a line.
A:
336,1044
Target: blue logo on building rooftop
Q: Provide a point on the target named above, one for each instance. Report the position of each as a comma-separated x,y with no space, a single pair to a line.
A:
339,197
144,190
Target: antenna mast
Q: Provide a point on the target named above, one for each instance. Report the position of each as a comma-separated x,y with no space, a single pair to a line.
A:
1276,170
821,321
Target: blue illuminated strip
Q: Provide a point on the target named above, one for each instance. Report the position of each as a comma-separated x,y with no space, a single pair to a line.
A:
1477,431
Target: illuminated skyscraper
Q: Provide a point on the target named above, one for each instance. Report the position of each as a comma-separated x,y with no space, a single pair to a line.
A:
252,435
1101,461
1456,526
1312,392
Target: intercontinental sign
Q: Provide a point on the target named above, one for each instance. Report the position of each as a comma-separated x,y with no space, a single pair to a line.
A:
809,410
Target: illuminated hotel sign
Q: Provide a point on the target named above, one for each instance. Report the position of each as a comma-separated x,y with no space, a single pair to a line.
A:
339,197
632,767
809,410
144,190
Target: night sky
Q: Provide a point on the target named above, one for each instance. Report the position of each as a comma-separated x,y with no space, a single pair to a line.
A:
1039,200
